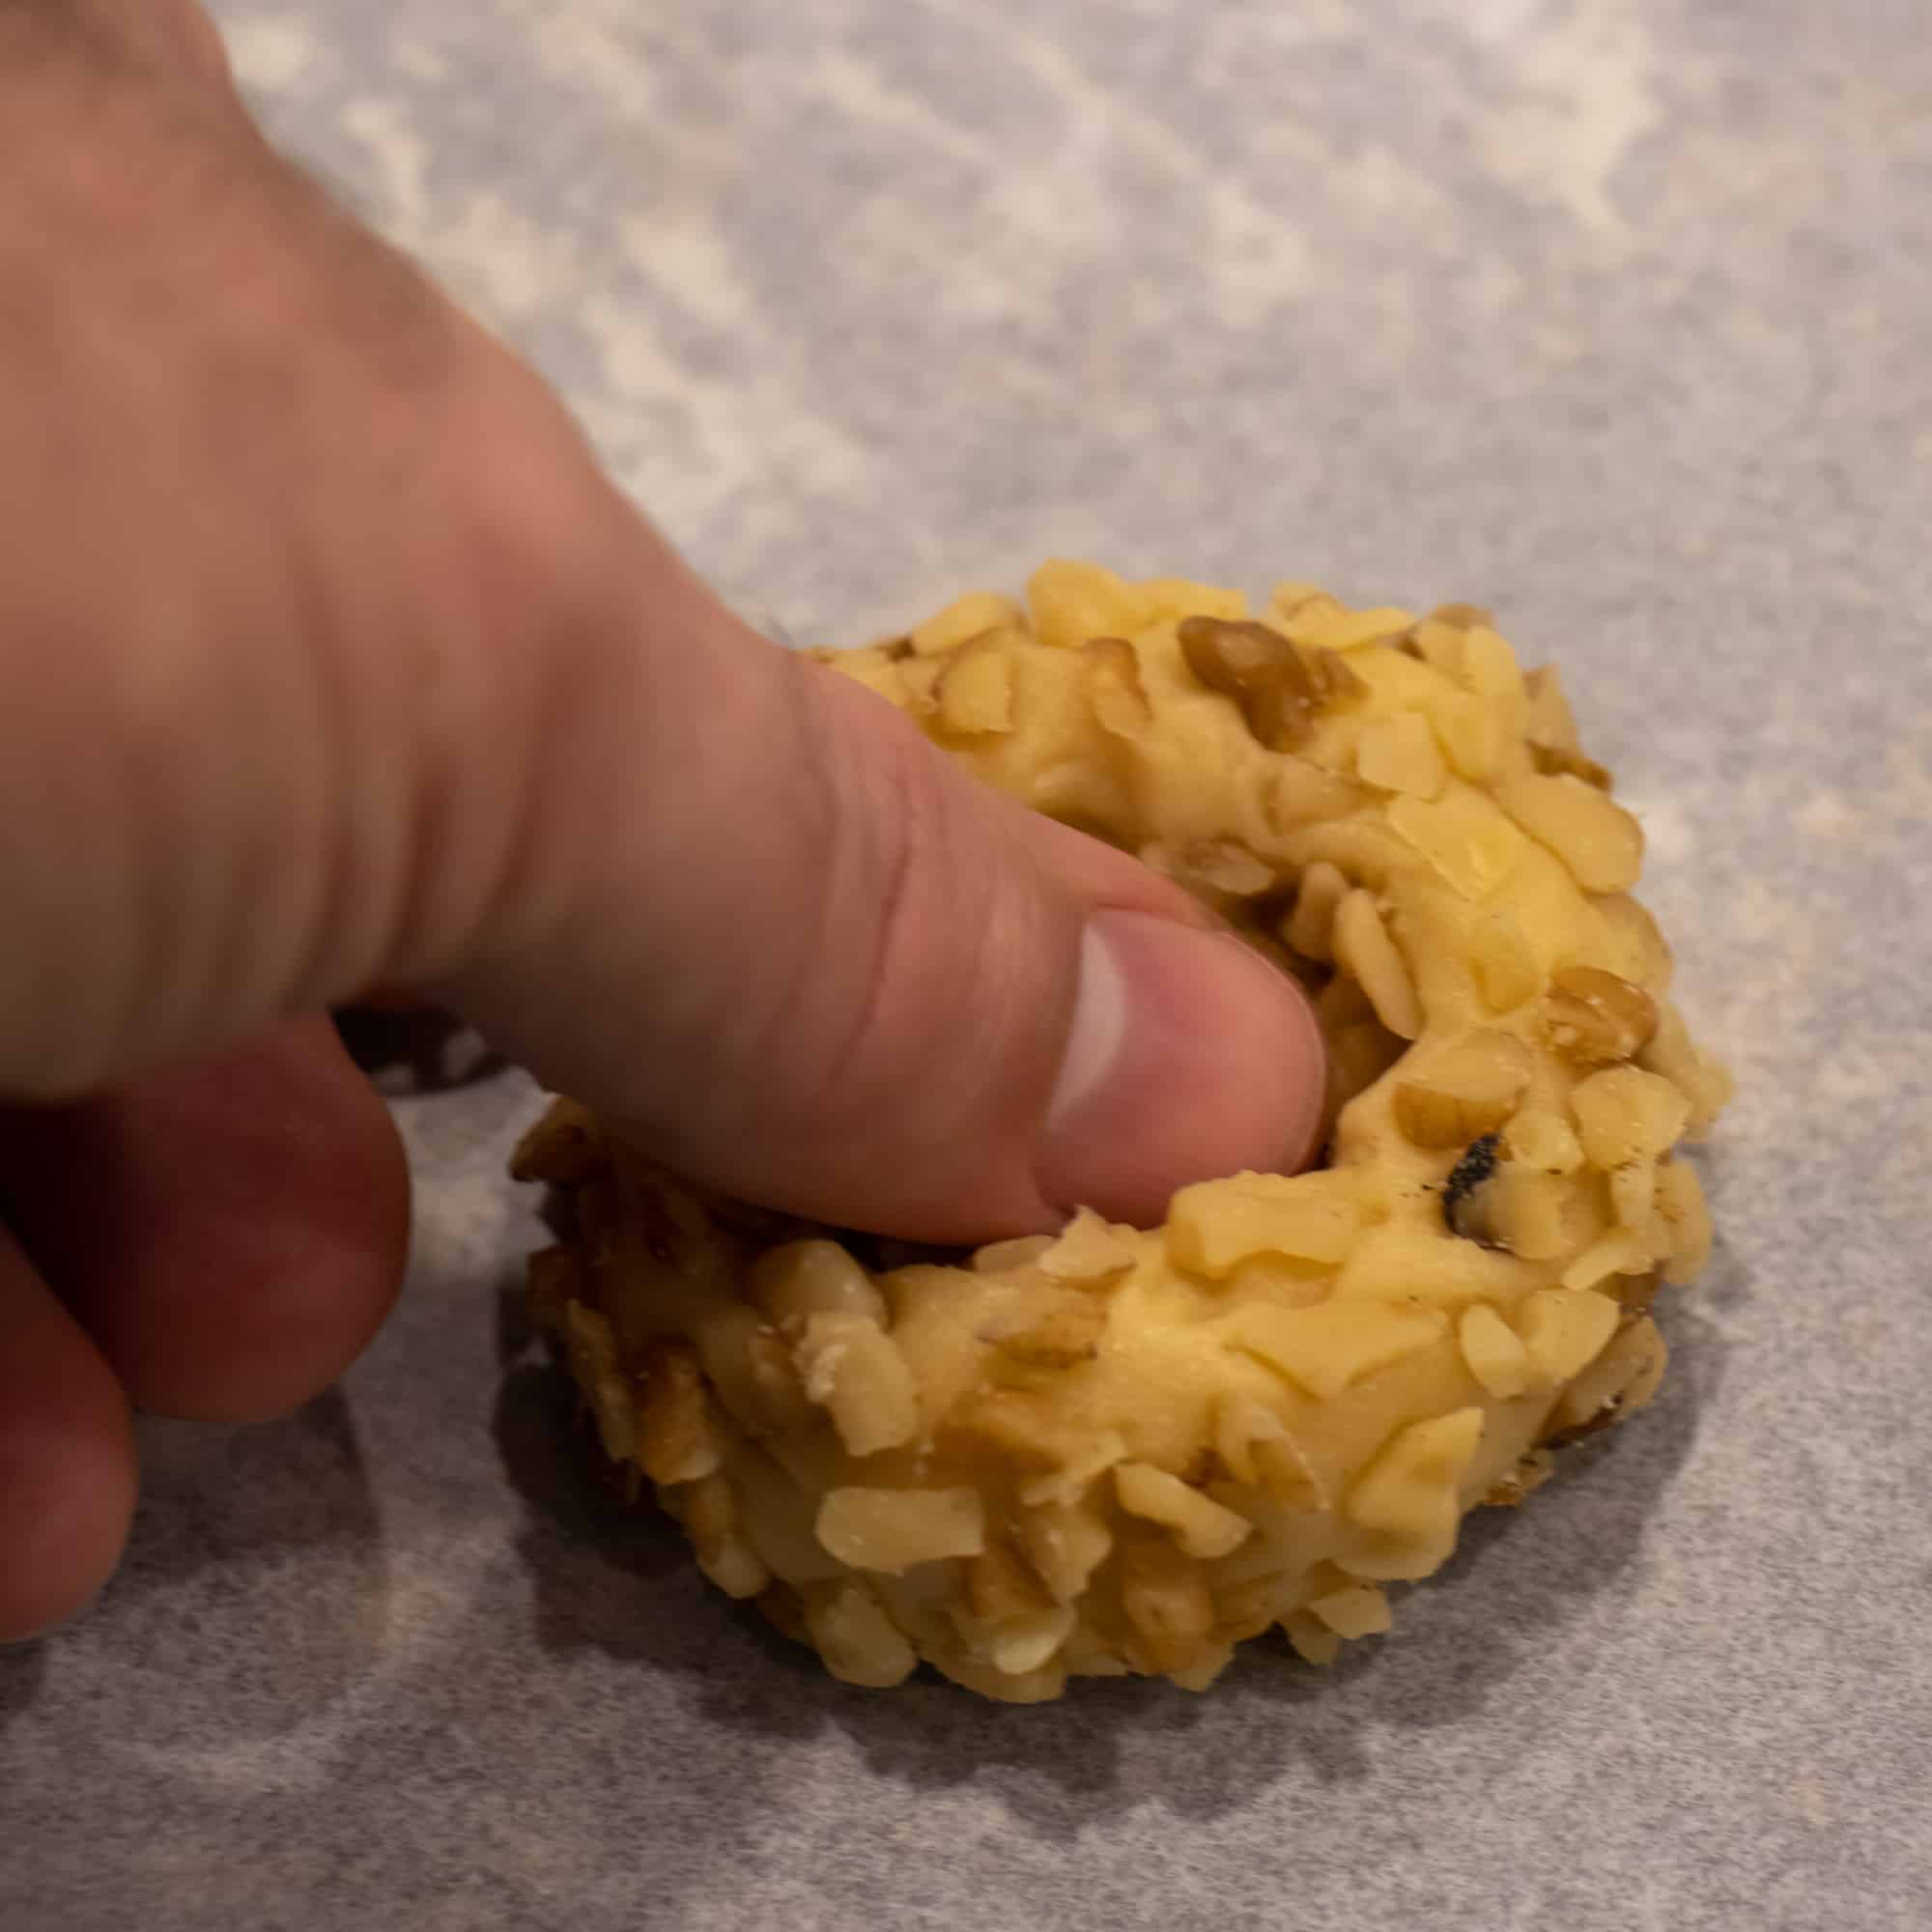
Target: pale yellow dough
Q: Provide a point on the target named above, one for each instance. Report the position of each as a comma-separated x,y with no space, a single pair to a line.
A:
1122,1451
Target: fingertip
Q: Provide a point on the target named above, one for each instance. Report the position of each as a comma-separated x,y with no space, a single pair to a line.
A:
66,1506
296,1294
1188,1057
66,1461
285,1280
231,1235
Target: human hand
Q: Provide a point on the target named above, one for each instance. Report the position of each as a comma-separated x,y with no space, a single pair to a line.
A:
331,659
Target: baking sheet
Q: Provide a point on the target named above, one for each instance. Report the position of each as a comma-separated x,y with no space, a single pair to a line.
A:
1612,315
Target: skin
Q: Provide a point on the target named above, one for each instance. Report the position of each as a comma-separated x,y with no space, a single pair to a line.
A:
331,661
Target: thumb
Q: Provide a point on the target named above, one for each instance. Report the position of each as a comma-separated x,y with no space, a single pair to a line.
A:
802,955
333,658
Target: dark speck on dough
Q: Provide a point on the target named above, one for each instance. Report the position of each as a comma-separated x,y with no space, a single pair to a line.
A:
1477,1165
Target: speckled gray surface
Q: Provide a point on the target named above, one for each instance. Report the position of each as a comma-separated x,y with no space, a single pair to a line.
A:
1614,313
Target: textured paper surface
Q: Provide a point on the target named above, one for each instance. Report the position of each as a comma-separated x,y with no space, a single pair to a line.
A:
1611,313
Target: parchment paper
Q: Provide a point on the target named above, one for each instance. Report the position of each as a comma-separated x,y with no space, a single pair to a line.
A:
1611,313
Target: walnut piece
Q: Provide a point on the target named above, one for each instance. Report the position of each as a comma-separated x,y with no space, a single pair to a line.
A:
1281,688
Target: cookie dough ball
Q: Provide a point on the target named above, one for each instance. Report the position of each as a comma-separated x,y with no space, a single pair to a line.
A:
1118,1450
